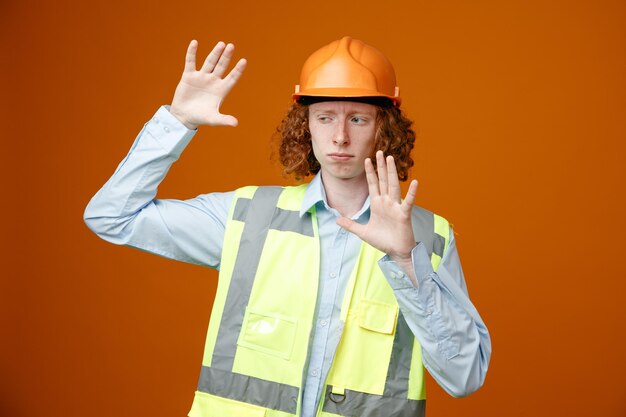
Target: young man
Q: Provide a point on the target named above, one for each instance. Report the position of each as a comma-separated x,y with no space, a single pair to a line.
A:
332,295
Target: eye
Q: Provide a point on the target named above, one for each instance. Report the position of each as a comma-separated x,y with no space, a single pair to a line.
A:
323,118
358,120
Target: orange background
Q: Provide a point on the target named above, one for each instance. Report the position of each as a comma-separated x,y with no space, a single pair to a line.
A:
520,110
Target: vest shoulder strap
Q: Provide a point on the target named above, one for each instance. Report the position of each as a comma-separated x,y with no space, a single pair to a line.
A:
433,231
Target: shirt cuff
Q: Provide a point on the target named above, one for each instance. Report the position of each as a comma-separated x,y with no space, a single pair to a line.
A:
397,277
169,132
418,303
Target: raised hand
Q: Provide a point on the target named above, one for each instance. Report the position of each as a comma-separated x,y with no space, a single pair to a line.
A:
389,228
199,94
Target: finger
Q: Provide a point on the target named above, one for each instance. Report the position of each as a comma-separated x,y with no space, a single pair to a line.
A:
224,60
381,167
372,178
409,200
351,226
394,183
213,57
236,73
190,58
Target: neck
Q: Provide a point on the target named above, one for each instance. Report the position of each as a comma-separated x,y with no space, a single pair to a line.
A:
345,195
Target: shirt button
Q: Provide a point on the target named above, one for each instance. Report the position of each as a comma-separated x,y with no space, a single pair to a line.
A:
342,231
323,323
333,274
167,129
314,372
156,120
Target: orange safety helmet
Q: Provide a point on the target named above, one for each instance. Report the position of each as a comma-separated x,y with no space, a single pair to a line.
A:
348,68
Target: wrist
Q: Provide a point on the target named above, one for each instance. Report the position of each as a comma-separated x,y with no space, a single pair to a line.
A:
181,118
404,255
402,260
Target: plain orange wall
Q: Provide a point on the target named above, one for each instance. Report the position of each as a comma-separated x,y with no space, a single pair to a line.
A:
520,108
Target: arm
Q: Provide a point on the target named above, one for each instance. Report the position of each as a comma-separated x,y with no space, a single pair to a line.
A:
125,212
455,343
456,346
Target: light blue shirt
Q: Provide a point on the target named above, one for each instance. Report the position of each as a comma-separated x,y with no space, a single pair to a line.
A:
455,342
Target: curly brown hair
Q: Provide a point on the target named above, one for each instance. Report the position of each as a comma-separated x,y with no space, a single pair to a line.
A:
394,137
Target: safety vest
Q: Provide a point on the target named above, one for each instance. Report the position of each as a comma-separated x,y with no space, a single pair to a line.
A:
257,344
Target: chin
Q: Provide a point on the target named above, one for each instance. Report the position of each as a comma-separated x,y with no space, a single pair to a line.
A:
350,176
344,174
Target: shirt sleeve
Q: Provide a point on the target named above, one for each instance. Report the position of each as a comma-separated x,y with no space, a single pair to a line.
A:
456,346
125,212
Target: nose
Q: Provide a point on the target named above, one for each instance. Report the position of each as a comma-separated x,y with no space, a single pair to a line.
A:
341,138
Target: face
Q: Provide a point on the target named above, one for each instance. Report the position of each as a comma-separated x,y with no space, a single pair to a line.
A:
342,134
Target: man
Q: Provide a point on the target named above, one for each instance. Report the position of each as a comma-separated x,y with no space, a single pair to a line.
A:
309,319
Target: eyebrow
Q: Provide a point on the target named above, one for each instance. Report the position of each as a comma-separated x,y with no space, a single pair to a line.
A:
330,111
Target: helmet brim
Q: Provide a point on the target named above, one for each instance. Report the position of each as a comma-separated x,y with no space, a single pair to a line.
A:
344,93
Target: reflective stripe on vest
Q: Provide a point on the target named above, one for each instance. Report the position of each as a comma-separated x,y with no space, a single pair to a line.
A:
262,214
248,257
259,214
238,387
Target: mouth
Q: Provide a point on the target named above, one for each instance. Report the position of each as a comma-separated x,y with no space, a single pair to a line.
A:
340,156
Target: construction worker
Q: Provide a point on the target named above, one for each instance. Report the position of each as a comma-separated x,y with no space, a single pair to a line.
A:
334,295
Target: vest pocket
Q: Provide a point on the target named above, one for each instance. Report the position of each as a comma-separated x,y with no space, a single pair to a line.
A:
368,333
377,317
269,333
207,405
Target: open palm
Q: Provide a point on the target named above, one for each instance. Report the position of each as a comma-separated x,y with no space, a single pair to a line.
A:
200,93
389,228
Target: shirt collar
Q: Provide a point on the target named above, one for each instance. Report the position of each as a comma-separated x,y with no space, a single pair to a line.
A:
315,193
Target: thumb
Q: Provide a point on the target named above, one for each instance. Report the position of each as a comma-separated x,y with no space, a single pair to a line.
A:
350,225
227,120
